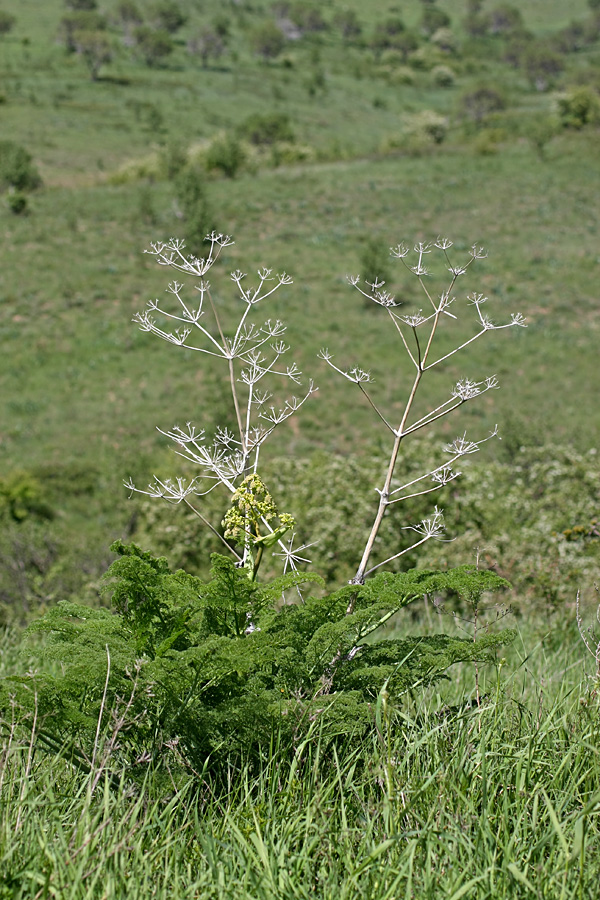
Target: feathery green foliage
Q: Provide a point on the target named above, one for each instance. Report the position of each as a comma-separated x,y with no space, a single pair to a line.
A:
186,670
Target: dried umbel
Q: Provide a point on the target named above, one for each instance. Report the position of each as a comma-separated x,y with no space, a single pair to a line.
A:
417,334
255,356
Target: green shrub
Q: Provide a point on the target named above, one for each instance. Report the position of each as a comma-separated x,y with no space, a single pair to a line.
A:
579,107
434,18
191,672
7,22
17,170
261,129
168,16
195,206
17,202
225,154
443,76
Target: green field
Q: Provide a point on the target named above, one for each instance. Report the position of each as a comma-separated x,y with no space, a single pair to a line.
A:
488,791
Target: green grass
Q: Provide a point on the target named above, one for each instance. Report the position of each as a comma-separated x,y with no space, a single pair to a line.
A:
452,800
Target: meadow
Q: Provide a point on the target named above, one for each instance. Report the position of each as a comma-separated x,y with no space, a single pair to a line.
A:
483,785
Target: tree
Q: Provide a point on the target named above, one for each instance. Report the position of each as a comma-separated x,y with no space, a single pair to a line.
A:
128,13
267,40
169,16
78,21
478,104
348,24
542,66
207,44
505,19
81,4
7,22
95,49
434,18
195,207
153,46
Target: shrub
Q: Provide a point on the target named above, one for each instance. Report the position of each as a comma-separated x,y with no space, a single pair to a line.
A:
225,154
445,40
443,76
505,19
7,22
193,673
17,202
264,129
17,170
195,206
433,18
579,107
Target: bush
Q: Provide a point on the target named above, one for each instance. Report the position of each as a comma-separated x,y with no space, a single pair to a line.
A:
267,129
225,154
7,22
434,18
198,217
17,202
17,170
197,672
579,107
443,76
95,49
445,40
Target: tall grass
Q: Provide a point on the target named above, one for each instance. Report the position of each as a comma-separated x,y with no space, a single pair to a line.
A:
448,799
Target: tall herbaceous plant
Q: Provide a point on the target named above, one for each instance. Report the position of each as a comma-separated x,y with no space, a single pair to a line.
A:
186,673
255,356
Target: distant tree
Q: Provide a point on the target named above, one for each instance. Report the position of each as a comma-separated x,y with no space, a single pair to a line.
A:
17,170
516,49
387,34
95,49
128,13
406,42
78,21
348,24
593,4
476,23
542,65
7,22
81,4
433,18
306,17
207,44
476,105
168,16
505,19
576,36
153,46
267,40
